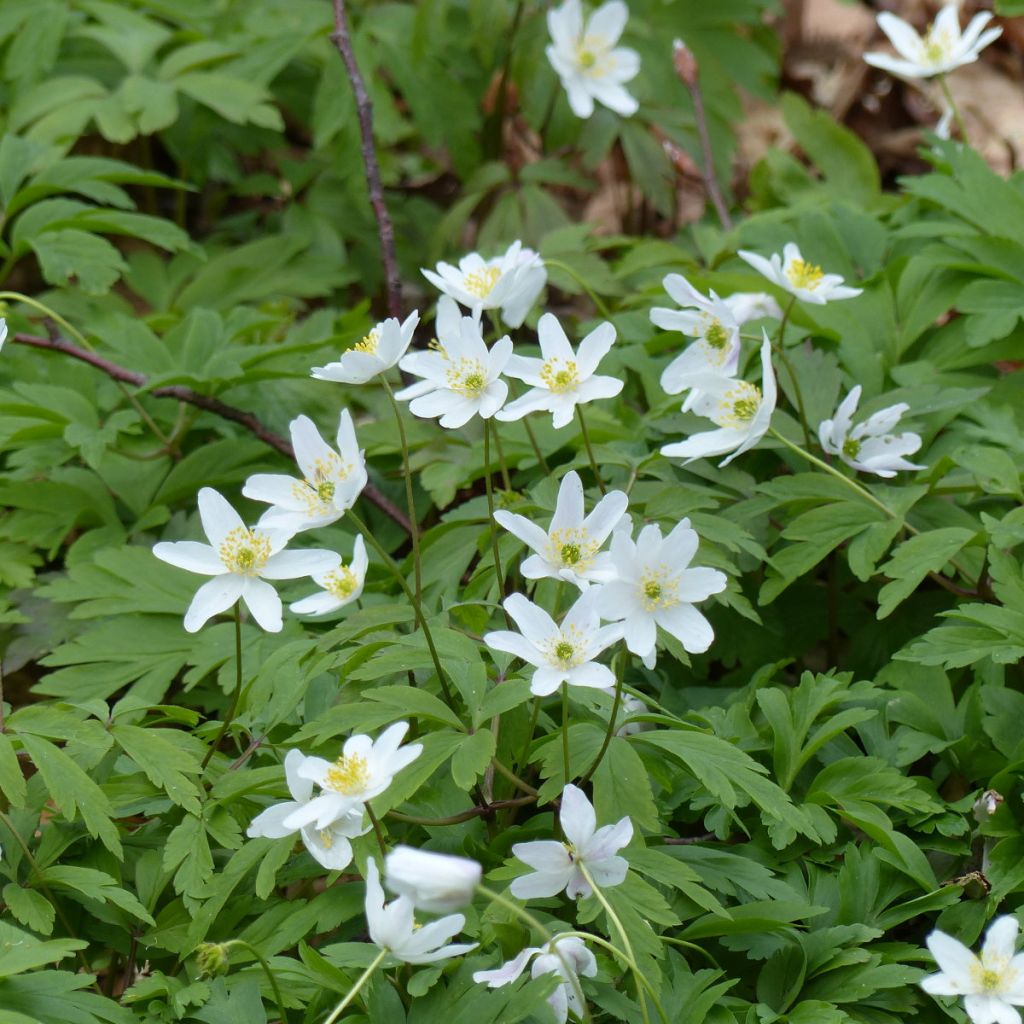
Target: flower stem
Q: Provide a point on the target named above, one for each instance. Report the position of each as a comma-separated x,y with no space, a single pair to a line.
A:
536,447
267,971
354,990
780,350
377,830
592,295
236,696
506,480
590,450
957,116
534,715
565,733
410,500
492,523
588,774
641,980
416,606
527,918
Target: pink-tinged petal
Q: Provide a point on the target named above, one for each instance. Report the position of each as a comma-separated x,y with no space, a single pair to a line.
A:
190,555
533,622
546,680
608,840
538,885
507,972
954,958
593,348
270,823
577,816
543,855
212,598
293,565
264,604
515,644
217,516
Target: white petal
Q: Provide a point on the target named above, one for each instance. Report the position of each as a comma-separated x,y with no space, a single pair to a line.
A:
212,598
954,958
577,816
534,623
292,565
190,555
264,603
217,516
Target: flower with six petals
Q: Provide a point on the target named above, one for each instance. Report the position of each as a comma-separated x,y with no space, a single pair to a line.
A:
375,354
339,587
797,276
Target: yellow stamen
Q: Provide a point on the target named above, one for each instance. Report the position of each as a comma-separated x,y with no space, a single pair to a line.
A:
802,274
348,775
738,406
467,377
481,282
572,547
244,551
559,377
658,589
341,583
369,343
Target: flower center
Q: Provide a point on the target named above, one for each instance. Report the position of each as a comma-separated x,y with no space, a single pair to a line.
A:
349,775
851,447
716,335
326,838
244,551
937,46
317,491
990,981
572,548
559,376
467,377
738,406
481,282
802,274
325,490
571,553
593,57
369,343
341,583
658,589
566,649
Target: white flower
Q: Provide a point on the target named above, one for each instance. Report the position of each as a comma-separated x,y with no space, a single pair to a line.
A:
570,549
561,379
586,59
557,866
3,332
241,561
753,306
364,770
332,480
560,654
805,280
739,409
436,882
991,985
869,446
712,322
341,586
654,586
376,353
329,845
461,378
393,927
632,706
565,955
510,282
943,48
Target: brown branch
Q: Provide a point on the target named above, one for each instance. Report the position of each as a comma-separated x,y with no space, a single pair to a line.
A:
364,108
687,70
205,402
482,811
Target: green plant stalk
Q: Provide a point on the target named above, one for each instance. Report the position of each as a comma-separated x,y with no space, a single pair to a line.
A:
610,732
491,522
565,732
410,500
416,606
536,447
641,980
527,918
506,480
957,116
780,349
235,696
266,970
378,831
591,294
356,988
85,343
590,450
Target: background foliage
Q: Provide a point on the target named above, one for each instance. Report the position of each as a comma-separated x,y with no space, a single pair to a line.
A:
182,182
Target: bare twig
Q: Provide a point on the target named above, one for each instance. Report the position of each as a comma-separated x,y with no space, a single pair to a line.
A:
364,108
686,69
183,394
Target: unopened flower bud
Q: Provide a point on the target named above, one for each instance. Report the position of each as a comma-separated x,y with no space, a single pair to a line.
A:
986,805
212,959
435,882
685,62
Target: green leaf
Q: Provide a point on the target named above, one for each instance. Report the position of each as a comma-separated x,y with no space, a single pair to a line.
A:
472,758
71,253
914,559
20,951
159,753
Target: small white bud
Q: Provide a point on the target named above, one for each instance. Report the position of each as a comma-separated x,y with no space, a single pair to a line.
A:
436,882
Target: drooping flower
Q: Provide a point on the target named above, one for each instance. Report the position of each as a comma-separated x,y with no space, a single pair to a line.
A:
992,985
805,280
392,926
655,586
738,408
339,587
632,706
557,866
560,654
708,319
565,955
364,770
943,47
437,882
562,378
376,353
331,480
509,283
330,845
240,560
586,59
461,378
570,549
870,446
747,306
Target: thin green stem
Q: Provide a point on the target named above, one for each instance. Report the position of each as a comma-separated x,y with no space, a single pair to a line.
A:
267,971
357,987
519,783
235,696
506,480
531,729
565,732
536,447
378,831
407,590
780,350
610,732
491,522
957,116
527,918
590,450
592,295
3,721
410,500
